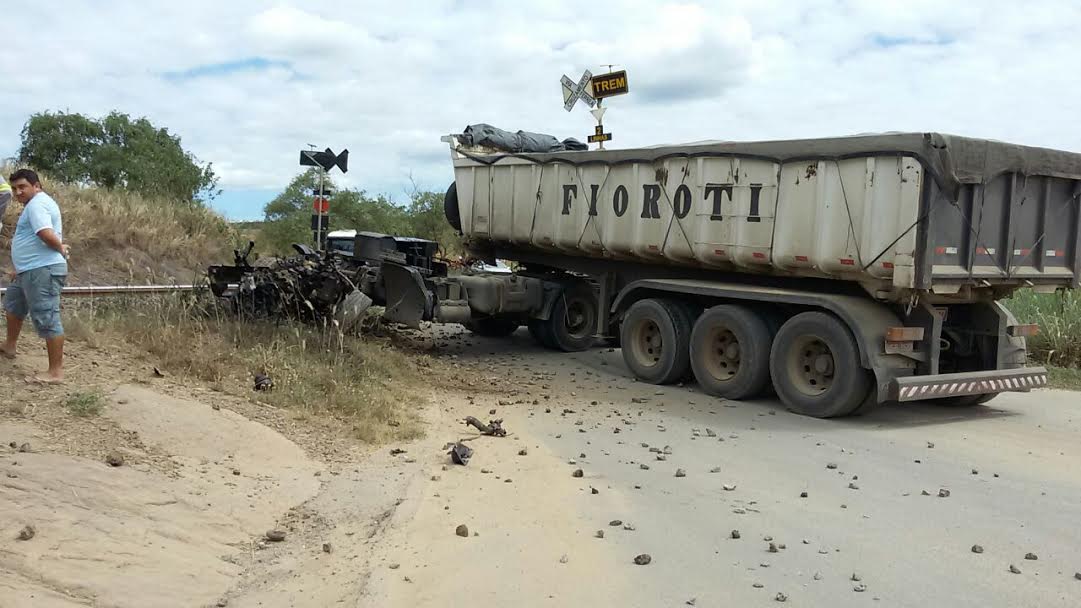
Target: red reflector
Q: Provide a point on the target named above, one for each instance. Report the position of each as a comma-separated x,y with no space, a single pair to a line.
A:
759,255
718,251
904,334
981,250
888,265
801,258
940,250
848,261
1026,251
653,247
1023,331
1060,254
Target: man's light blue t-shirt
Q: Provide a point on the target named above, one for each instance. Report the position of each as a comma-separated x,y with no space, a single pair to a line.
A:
28,251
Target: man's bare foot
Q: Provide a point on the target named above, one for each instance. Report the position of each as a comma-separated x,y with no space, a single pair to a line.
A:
46,379
7,354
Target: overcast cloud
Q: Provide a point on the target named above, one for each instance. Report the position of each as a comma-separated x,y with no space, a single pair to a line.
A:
248,84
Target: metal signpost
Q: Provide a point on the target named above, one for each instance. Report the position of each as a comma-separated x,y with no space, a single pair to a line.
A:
593,90
325,160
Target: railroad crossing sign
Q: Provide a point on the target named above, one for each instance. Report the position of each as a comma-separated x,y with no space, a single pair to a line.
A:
610,84
573,92
599,136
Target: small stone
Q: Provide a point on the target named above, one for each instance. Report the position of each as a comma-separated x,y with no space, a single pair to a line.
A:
855,578
930,444
757,585
925,493
691,602
577,473
772,548
491,412
27,532
681,473
486,471
943,493
803,495
594,491
327,548
235,471
780,597
1014,569
735,534
563,559
643,559
222,603
523,452
662,457
24,448
1077,575
616,522
508,480
1031,557
710,433
116,459
977,548
629,528
832,465
817,576
860,588
275,536
644,466
599,534
975,472
715,470
395,566
853,486
728,487
462,530
667,450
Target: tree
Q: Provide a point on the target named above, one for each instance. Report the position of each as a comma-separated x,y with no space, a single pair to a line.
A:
115,152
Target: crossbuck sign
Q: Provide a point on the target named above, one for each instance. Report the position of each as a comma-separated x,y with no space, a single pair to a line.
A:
573,92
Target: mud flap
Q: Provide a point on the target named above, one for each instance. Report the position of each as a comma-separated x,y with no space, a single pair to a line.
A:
408,300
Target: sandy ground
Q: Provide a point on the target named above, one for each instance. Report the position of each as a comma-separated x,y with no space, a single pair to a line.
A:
182,522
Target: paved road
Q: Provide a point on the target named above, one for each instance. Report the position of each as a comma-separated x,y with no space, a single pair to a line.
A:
872,509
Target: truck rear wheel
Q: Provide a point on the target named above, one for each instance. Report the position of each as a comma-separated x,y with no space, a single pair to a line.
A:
571,325
729,352
815,366
655,335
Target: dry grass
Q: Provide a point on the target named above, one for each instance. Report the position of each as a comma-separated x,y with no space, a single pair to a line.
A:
373,388
117,236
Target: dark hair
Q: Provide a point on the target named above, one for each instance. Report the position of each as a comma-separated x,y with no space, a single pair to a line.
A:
26,174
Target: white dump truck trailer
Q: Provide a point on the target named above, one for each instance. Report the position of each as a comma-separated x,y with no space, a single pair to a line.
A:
841,272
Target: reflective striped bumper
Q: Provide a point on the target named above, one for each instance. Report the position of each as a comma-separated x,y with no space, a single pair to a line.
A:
915,388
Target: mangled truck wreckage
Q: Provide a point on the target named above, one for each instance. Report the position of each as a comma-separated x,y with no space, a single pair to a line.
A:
399,273
840,273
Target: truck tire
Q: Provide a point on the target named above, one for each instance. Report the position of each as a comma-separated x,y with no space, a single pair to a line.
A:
450,207
964,400
815,366
492,327
573,321
655,335
729,352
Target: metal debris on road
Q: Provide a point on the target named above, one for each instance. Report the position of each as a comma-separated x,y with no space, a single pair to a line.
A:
460,453
494,428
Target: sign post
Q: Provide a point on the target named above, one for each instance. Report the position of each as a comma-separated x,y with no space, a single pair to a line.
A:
593,90
325,161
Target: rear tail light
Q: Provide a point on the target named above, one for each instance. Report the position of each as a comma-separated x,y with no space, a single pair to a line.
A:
1023,331
904,334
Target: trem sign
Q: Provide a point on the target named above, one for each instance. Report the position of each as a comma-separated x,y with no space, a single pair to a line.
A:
610,84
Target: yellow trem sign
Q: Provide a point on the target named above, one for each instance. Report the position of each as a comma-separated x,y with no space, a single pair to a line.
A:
608,85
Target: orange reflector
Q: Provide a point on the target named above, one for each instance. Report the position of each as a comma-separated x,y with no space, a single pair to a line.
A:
1023,331
904,334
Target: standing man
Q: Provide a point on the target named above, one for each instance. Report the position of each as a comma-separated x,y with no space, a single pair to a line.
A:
40,256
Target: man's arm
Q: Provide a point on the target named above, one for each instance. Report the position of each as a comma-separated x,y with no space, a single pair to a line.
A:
50,238
42,224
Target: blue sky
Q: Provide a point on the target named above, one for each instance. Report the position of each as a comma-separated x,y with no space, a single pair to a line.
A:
247,84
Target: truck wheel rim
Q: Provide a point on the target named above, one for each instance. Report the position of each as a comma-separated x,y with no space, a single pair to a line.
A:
579,318
647,344
811,365
722,353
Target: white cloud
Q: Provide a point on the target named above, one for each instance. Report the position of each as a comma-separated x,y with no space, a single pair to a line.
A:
387,79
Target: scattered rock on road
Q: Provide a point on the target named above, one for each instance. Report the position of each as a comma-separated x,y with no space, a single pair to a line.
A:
24,448
616,522
803,495
735,534
860,588
523,452
327,548
1014,569
275,536
977,549
27,532
114,459
577,473
643,559
1031,556
599,534
715,470
943,493
728,487
462,530
772,548
853,486
681,473
832,465
780,597
856,578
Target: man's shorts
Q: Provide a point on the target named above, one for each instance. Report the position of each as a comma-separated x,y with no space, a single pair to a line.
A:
36,293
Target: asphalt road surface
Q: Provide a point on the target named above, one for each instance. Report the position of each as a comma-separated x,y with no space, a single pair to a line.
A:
881,510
